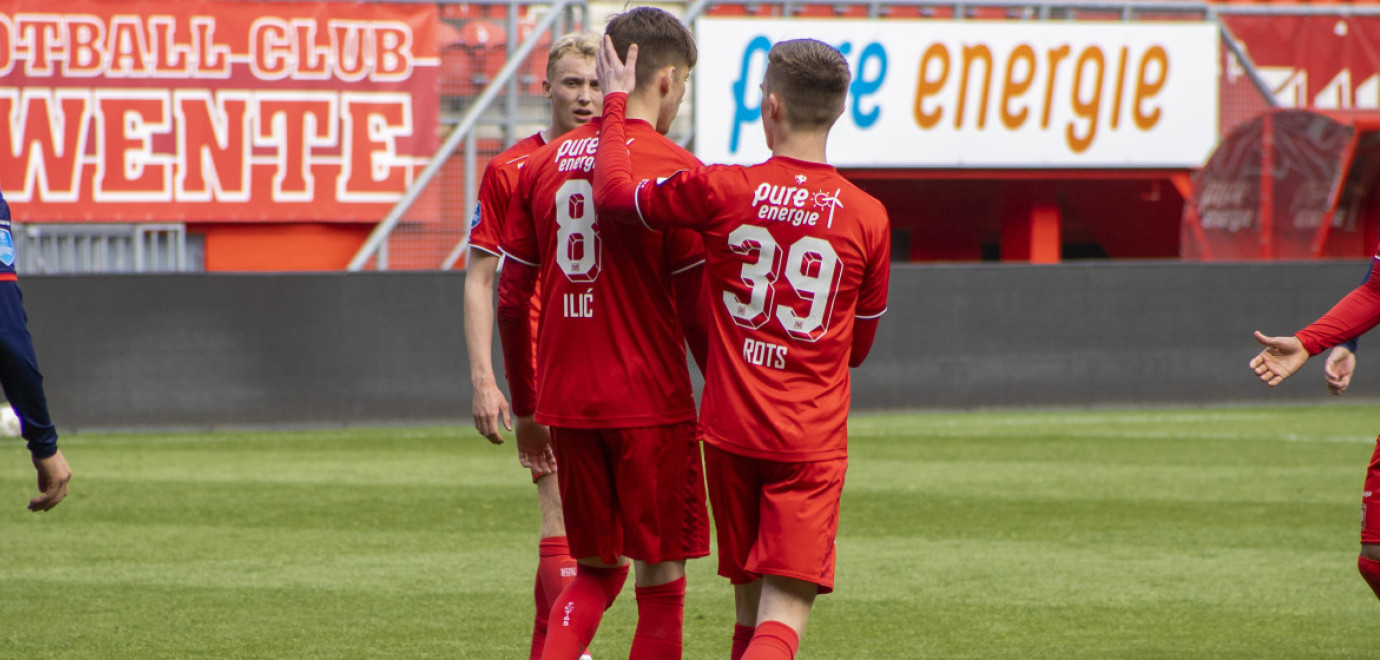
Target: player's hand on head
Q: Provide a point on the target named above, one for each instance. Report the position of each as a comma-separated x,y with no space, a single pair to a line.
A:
490,409
1337,371
1281,358
614,74
53,475
534,445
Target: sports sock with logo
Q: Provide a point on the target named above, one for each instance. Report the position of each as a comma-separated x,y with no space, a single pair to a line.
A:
1370,570
660,619
577,612
773,641
555,570
742,636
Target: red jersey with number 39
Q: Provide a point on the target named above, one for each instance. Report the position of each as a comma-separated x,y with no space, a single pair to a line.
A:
610,348
794,254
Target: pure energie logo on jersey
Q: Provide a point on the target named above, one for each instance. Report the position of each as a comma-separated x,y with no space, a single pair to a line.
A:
577,155
779,203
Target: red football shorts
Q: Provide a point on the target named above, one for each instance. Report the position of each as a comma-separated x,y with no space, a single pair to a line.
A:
636,492
774,518
1370,505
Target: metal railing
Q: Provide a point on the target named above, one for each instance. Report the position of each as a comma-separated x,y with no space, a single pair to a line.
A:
101,248
556,18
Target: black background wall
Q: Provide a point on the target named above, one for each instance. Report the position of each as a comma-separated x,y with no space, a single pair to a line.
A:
215,350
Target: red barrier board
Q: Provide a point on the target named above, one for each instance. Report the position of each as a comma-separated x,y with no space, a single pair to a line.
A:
214,111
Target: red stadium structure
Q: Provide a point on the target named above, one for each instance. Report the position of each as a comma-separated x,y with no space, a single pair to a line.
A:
322,148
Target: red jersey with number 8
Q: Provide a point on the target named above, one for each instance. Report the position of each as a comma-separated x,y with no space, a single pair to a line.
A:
610,348
795,253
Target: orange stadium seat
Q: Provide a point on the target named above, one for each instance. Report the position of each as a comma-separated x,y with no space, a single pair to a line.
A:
459,12
727,9
987,13
831,11
905,11
534,69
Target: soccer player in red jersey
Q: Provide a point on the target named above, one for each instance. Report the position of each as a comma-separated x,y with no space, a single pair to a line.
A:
575,99
1356,313
798,266
616,305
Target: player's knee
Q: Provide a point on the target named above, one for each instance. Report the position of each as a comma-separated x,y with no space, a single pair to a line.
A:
651,575
1370,551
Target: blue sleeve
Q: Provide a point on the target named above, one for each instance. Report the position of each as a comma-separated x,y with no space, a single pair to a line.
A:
19,376
1352,343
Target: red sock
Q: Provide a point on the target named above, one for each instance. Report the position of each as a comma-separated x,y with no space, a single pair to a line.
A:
773,641
555,570
742,636
538,621
578,609
660,619
1370,570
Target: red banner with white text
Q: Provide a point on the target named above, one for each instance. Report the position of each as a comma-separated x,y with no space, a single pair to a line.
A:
214,111
1319,61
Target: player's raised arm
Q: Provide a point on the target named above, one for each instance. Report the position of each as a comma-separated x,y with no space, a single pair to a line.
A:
615,191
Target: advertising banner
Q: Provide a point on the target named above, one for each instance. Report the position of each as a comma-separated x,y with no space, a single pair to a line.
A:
213,111
932,94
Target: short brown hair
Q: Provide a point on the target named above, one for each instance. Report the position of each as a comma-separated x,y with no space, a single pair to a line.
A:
662,41
574,43
812,78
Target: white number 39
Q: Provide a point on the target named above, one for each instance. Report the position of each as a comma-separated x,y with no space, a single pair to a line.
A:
812,268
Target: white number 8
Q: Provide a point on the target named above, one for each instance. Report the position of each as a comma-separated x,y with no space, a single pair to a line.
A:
577,239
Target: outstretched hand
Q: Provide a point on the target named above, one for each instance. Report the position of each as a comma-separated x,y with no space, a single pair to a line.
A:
1281,358
614,74
53,475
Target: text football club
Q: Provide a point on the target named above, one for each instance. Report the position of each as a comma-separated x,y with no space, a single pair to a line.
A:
237,111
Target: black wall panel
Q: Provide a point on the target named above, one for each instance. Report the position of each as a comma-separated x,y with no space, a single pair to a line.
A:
215,350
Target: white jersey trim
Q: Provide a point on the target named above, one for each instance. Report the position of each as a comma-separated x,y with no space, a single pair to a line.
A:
871,316
523,262
682,269
637,205
486,250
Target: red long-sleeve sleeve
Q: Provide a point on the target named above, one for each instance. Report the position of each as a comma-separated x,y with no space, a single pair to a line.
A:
515,288
692,306
1356,313
615,191
864,332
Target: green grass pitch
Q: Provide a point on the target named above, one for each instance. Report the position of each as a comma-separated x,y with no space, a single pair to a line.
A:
1207,533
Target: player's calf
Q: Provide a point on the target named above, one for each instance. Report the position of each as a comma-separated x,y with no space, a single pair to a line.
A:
579,609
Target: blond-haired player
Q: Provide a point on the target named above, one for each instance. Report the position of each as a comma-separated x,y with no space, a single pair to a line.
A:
575,99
